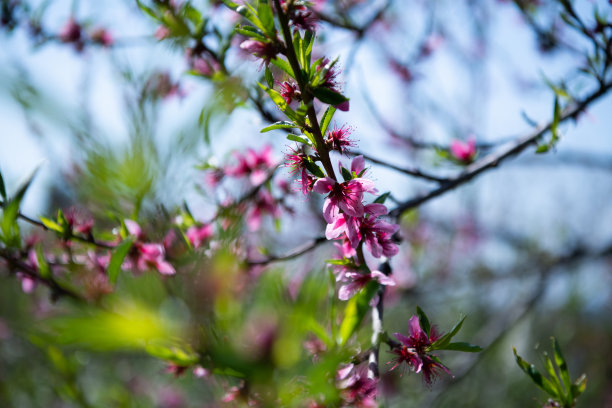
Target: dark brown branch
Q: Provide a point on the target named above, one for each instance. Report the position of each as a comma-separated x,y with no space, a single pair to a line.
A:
17,265
494,159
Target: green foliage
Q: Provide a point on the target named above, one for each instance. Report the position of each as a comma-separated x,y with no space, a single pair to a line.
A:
558,384
9,228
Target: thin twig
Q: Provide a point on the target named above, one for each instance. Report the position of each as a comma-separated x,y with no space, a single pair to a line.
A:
414,172
494,159
294,253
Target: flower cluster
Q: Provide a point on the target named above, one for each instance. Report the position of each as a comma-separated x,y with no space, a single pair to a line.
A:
146,255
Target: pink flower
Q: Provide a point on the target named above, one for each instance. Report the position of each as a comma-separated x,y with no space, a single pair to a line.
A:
338,139
289,91
263,50
254,164
414,351
153,256
198,234
346,196
464,151
360,280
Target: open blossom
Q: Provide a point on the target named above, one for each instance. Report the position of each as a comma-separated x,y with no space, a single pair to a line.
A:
359,281
346,196
290,92
338,139
254,164
413,351
464,151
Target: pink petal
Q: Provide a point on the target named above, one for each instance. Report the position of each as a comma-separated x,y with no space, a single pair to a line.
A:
165,268
382,278
323,185
348,291
357,165
330,211
133,228
376,209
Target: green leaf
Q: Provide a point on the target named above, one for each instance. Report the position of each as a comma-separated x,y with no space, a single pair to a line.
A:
279,125
535,375
308,43
423,321
119,254
382,198
280,102
326,119
445,340
328,96
355,311
561,364
2,188
9,226
346,175
313,168
462,346
578,386
284,65
251,32
553,376
298,139
52,225
43,266
264,11
269,77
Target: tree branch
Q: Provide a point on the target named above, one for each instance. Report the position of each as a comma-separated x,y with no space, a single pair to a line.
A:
494,159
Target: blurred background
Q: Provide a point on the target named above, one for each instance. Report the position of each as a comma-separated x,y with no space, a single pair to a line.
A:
130,126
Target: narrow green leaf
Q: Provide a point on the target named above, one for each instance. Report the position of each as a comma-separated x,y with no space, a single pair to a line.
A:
2,188
382,198
561,364
423,321
346,174
326,119
445,340
279,125
230,4
462,346
43,266
280,102
298,139
269,77
52,225
9,225
264,11
251,32
355,311
578,386
328,96
284,65
535,375
553,376
313,168
309,38
119,254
